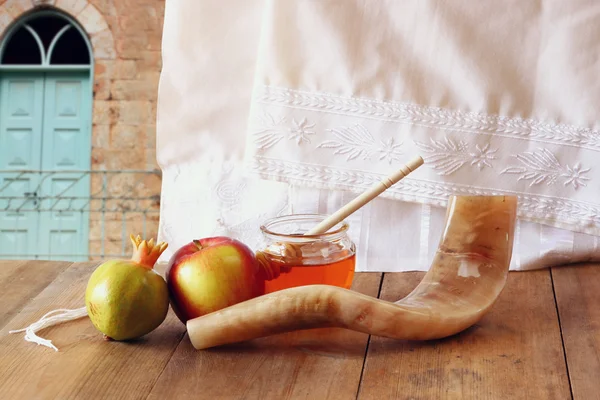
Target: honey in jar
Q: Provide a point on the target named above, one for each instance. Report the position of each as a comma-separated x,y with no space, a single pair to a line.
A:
300,259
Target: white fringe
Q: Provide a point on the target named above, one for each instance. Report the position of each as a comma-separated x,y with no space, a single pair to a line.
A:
49,320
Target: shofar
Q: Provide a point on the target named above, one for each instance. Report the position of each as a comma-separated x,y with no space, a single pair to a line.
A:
466,277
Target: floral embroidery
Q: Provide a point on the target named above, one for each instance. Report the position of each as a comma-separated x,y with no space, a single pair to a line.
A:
543,167
482,156
300,131
575,176
357,141
272,130
390,151
434,117
448,156
571,211
230,192
358,137
233,217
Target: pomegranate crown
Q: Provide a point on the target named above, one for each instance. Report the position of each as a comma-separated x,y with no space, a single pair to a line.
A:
146,252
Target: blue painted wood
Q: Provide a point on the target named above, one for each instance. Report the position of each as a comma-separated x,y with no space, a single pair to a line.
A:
21,118
45,123
66,147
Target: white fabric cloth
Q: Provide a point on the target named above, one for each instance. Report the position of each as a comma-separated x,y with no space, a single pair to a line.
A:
324,97
204,96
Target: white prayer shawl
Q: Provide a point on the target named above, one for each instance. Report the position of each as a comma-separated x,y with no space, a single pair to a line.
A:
269,107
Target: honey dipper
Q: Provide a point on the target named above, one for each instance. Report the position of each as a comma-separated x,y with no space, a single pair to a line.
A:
467,275
294,251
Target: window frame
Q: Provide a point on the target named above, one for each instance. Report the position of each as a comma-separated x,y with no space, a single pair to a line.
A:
23,21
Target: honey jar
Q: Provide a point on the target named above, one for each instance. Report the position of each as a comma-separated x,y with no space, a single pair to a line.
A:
299,259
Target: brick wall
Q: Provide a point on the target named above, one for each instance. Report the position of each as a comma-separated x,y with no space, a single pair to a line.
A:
125,94
126,36
126,87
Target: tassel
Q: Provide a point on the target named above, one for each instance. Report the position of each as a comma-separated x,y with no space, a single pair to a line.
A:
49,320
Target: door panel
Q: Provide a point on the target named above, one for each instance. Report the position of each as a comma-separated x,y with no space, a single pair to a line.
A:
66,134
18,220
66,152
21,117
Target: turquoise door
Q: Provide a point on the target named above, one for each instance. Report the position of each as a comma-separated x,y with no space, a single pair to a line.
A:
21,118
45,126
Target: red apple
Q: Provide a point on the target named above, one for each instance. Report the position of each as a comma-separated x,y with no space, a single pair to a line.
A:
209,274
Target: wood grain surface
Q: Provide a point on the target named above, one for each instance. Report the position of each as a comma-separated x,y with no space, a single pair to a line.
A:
577,290
514,352
316,364
86,366
21,281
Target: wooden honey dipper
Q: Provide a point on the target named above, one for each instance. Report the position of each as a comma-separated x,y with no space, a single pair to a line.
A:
293,251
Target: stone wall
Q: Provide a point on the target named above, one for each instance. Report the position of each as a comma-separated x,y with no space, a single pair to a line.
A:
125,93
126,37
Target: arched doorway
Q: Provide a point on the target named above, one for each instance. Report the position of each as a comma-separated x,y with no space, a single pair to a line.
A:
46,68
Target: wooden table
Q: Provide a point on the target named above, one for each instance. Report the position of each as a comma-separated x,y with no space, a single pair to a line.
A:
540,341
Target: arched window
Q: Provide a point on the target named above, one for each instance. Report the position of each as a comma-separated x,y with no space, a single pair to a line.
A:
45,39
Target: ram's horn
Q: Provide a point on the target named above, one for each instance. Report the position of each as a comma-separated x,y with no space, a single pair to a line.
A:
466,277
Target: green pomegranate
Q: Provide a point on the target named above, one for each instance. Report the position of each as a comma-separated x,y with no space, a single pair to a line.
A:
126,299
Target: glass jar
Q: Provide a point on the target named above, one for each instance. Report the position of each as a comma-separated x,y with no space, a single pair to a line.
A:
295,259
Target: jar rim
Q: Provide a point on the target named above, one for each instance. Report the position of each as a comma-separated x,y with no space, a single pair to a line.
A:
343,226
